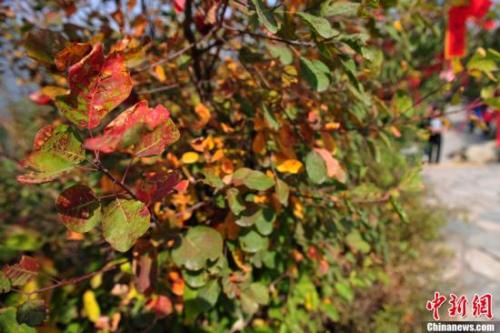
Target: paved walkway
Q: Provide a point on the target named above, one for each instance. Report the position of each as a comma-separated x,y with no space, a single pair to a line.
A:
472,193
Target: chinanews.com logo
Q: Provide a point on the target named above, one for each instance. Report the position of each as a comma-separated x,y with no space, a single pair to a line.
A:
480,309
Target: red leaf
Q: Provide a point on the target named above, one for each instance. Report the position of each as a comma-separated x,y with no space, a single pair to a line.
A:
145,266
40,98
78,208
179,6
98,85
182,186
21,273
161,305
157,185
139,130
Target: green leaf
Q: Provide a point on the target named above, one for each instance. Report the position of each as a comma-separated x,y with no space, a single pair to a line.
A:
315,73
355,241
56,150
195,279
200,244
213,180
32,313
254,295
199,301
330,311
345,291
262,218
254,180
486,63
264,223
9,324
281,52
282,191
338,8
251,241
5,284
270,118
210,293
306,290
493,102
316,168
399,209
319,24
265,16
124,221
235,203
78,208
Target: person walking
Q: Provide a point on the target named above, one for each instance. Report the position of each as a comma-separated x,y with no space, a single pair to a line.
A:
436,136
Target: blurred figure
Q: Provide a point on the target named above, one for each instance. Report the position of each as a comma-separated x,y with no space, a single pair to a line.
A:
435,137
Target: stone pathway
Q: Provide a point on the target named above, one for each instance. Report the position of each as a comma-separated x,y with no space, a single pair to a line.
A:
472,194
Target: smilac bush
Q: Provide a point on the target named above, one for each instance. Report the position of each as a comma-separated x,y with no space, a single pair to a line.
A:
216,166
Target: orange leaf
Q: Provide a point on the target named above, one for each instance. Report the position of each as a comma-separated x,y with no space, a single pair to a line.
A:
159,73
259,142
289,166
204,114
177,283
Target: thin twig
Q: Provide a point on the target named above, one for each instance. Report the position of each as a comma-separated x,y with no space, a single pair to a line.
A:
74,280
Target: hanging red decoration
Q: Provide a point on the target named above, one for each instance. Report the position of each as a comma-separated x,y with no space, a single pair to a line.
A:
457,18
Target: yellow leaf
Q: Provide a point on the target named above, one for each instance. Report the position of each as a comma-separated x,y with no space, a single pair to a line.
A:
239,260
289,166
90,306
159,73
53,91
96,281
190,157
456,65
397,25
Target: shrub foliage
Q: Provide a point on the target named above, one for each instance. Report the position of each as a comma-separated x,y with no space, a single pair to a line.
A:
216,165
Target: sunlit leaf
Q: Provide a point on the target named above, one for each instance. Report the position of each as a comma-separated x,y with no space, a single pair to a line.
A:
190,157
90,306
123,222
289,166
140,131
56,150
98,85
